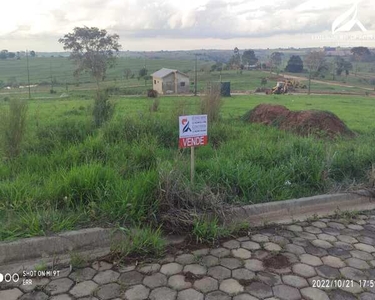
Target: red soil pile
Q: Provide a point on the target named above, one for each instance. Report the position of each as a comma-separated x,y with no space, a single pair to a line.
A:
306,122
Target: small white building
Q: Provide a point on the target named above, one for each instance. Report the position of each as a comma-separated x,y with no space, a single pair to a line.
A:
169,81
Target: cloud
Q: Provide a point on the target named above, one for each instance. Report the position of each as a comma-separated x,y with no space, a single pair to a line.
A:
168,19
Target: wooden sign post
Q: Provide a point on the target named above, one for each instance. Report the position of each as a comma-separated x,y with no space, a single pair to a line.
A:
193,133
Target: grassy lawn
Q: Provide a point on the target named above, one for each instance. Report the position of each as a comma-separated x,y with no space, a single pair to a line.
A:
72,175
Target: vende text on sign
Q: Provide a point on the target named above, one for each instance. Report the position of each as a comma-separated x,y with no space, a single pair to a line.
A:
193,131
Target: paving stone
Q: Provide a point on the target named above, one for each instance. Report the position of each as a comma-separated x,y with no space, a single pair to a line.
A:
357,263
353,288
319,224
285,292
232,244
36,295
355,227
313,229
231,263
259,238
372,263
336,225
195,269
339,252
249,245
347,239
294,249
39,283
366,240
280,240
206,285
366,296
260,254
327,237
231,287
178,282
254,265
243,274
218,295
310,293
185,259
295,281
201,252
282,271
188,294
243,239
304,270
361,255
130,278
155,280
352,273
316,251
365,247
106,277
327,272
272,247
220,252
219,272
109,291
259,290
124,269
171,268
311,260
322,244
269,278
241,253
292,258
209,261
350,232
82,274
137,292
333,262
244,297
166,260
306,235
164,293
61,297
101,266
343,245
94,298
84,288
294,228
59,286
341,295
149,269
331,231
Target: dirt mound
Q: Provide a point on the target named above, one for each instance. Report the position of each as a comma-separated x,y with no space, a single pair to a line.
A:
306,122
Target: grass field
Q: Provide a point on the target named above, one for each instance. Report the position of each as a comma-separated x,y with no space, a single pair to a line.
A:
71,174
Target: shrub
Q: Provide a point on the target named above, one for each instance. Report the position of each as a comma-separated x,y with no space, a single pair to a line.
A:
14,127
211,103
152,93
103,108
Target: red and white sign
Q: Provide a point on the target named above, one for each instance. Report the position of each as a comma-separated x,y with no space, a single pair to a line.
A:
193,131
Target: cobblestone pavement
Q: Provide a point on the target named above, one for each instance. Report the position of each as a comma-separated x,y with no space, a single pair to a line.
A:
314,260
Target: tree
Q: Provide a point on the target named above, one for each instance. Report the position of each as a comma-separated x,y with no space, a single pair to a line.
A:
142,72
276,59
235,61
127,73
314,62
360,54
342,65
11,55
32,53
93,50
3,54
295,64
248,57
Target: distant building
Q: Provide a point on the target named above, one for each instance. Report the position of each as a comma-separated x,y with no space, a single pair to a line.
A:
168,81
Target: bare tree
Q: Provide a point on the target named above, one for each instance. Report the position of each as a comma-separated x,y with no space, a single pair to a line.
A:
314,61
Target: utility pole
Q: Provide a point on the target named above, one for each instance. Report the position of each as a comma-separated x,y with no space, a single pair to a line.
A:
144,66
196,76
28,73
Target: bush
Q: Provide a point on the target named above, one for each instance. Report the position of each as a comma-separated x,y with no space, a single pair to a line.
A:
211,103
152,93
103,108
14,127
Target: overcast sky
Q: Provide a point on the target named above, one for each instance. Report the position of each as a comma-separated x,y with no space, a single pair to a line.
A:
184,24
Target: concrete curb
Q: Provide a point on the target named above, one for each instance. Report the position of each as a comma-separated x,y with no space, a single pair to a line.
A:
50,249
